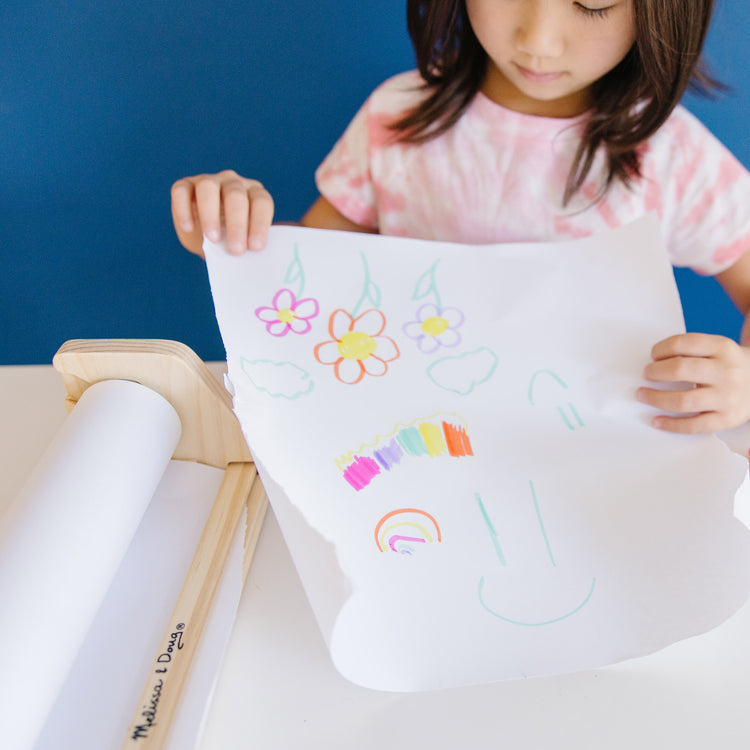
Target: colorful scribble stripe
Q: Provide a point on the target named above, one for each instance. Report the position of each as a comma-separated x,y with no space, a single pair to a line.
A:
360,473
457,440
366,448
425,439
389,455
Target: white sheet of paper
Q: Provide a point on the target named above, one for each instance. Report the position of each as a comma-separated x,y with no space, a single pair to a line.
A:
450,440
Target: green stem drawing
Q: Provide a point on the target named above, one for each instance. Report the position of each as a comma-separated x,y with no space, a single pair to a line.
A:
426,285
295,272
370,290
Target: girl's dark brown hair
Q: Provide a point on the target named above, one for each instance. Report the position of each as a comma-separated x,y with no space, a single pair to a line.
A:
631,102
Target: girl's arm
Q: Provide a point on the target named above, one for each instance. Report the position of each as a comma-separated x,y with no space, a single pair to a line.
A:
736,283
323,215
203,203
711,373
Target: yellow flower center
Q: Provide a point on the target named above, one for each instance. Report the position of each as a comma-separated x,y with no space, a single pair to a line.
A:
434,326
286,315
356,345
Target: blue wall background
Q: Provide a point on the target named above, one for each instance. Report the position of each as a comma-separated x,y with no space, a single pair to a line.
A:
104,105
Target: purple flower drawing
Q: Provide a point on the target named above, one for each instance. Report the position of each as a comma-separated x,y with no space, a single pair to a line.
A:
435,327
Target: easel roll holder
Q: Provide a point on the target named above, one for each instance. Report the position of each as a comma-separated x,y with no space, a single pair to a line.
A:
210,435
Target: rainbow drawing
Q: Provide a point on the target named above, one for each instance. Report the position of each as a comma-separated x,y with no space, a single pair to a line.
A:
404,530
431,437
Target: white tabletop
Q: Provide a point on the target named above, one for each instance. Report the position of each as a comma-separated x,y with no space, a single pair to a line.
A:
278,689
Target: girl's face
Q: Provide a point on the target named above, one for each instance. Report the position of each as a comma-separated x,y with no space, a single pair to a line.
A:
544,55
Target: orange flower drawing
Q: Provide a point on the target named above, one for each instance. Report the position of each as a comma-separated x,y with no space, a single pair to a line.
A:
357,347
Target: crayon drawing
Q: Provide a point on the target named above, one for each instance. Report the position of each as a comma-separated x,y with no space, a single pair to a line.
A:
493,533
426,285
287,313
357,346
435,326
405,530
371,294
535,623
571,418
463,373
504,563
277,379
432,437
295,272
434,370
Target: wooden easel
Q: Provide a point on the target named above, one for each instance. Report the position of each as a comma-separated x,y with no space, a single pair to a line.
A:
211,435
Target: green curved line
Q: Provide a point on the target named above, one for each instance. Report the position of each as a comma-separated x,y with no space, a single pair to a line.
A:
273,394
553,375
474,383
535,624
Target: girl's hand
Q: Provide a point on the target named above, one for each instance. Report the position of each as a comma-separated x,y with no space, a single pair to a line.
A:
200,204
713,373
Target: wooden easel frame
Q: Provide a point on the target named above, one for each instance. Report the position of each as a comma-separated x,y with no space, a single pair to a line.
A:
211,435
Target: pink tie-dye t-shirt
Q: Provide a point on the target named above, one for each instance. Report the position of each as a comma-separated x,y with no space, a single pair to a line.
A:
499,176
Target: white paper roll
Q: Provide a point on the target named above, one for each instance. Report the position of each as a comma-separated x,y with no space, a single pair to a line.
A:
63,537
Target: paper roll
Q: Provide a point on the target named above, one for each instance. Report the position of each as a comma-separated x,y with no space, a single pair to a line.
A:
64,535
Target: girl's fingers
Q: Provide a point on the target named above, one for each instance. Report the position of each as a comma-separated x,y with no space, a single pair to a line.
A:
236,203
680,369
691,345
261,216
182,205
719,369
185,216
208,203
200,204
689,401
692,411
698,424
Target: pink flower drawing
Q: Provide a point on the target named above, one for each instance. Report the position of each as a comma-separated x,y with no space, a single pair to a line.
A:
288,313
357,346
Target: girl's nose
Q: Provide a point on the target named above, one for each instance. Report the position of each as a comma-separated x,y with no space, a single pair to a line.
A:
539,30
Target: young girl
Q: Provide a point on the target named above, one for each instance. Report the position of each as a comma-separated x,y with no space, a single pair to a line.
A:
535,120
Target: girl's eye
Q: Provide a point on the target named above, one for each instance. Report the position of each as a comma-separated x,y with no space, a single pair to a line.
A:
593,12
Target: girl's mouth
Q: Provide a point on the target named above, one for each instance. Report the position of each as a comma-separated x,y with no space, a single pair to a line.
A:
536,77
